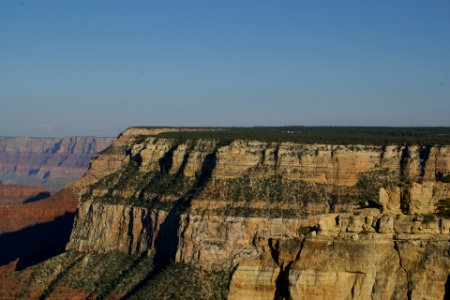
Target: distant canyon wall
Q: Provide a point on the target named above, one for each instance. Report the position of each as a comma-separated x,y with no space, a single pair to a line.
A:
47,162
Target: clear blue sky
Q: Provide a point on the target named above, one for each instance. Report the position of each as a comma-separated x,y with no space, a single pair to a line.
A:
97,67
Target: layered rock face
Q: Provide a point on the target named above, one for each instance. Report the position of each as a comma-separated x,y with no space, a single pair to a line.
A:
47,162
286,220
366,256
280,220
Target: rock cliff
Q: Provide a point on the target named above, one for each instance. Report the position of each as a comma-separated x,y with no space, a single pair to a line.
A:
273,220
47,162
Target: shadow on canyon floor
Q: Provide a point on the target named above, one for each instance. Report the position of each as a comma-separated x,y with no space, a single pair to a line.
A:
36,243
37,197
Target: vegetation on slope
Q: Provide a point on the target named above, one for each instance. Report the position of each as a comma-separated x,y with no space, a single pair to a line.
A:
443,208
273,195
443,178
324,135
112,275
184,281
92,275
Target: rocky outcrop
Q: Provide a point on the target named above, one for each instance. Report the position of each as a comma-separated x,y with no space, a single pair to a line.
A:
264,209
47,162
282,220
322,164
316,268
129,229
253,177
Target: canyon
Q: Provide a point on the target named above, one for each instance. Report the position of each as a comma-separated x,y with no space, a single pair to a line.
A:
34,224
49,163
33,231
161,218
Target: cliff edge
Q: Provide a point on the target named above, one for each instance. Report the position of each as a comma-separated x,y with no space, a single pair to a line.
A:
249,219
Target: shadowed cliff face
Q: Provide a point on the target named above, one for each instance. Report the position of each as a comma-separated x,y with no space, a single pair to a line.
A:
282,220
47,162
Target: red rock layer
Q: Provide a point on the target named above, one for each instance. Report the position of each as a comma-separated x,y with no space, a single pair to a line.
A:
14,217
15,193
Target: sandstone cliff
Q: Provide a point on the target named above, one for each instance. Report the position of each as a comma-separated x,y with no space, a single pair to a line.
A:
281,220
47,162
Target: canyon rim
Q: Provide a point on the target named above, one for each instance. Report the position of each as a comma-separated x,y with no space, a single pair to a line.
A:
162,218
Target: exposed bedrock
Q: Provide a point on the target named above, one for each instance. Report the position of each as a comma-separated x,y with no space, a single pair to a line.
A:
285,220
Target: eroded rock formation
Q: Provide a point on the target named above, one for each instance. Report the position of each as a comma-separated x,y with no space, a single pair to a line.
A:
282,220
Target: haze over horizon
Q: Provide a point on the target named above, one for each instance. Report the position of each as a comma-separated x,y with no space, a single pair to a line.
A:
96,68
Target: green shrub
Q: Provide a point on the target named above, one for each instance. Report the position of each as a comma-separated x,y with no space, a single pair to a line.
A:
304,230
445,178
429,218
323,135
443,208
369,185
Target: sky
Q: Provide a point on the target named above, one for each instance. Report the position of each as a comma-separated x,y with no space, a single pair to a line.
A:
94,68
